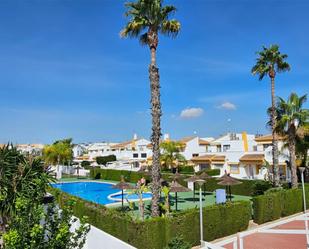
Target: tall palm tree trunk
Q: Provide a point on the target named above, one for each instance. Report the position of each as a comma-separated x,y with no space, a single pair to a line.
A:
156,131
292,143
275,151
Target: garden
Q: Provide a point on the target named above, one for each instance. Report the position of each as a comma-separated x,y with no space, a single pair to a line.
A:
252,200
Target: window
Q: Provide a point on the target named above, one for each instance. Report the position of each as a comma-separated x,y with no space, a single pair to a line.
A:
234,169
143,155
265,146
254,147
135,155
226,147
204,166
194,155
217,166
218,148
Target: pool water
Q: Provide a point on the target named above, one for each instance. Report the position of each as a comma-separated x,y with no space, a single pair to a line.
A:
95,191
132,196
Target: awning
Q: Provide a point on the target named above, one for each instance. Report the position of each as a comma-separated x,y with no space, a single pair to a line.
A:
203,142
252,158
209,159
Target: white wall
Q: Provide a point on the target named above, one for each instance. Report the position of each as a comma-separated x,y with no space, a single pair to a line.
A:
98,239
193,147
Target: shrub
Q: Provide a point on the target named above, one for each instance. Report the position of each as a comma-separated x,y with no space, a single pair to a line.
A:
155,233
276,203
85,164
259,187
246,188
211,172
186,169
103,160
178,243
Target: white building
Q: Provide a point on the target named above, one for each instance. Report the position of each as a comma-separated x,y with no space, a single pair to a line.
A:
131,152
194,146
240,154
31,149
79,150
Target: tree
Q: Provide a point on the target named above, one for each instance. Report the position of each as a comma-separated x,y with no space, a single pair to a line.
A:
20,176
103,160
148,18
44,227
171,156
302,144
59,152
290,117
25,221
269,62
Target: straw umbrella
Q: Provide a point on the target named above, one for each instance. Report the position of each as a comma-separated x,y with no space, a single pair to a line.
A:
223,177
176,176
204,176
229,181
176,188
193,179
123,185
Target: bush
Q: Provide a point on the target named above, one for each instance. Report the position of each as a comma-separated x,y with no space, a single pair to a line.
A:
181,169
277,203
103,160
246,188
259,187
85,164
155,233
186,169
178,243
211,172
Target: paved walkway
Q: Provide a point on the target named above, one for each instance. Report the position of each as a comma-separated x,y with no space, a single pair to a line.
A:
286,233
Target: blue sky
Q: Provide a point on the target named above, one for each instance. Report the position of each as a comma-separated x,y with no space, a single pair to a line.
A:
65,72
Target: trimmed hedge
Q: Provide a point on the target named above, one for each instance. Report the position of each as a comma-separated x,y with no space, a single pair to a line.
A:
210,172
155,233
247,188
281,203
103,160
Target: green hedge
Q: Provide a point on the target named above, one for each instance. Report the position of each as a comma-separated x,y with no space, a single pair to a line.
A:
103,160
281,203
247,188
155,233
211,172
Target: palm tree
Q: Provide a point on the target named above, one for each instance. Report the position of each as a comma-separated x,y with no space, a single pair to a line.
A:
148,18
290,117
171,156
20,176
269,62
302,144
60,152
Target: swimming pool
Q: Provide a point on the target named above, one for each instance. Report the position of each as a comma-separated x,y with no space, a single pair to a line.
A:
97,192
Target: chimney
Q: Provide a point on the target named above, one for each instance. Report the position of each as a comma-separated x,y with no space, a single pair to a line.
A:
135,136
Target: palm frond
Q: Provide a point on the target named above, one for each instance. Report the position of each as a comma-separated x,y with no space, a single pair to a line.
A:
170,28
149,15
270,59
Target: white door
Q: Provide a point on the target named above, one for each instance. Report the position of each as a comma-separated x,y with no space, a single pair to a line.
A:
250,171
